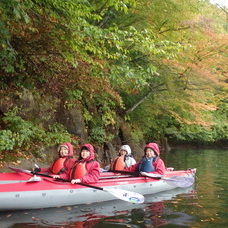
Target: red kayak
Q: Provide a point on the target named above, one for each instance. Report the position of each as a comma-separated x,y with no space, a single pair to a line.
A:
24,190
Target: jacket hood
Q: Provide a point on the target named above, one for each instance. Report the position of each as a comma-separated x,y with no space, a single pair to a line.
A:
153,146
126,148
69,147
90,148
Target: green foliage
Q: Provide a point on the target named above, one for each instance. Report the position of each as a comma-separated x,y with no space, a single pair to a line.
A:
10,11
98,135
137,134
162,60
201,134
220,128
7,141
22,134
190,133
100,118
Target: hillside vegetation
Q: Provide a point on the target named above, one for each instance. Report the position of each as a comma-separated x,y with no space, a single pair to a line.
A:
112,72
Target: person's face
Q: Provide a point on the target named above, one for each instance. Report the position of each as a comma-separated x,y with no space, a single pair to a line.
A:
85,153
123,152
63,151
150,153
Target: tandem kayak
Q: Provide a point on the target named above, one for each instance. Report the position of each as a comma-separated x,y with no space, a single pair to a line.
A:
87,215
22,190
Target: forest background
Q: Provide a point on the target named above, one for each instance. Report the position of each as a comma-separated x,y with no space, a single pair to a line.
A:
111,72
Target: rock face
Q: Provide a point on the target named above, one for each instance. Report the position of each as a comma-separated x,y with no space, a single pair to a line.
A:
48,110
73,120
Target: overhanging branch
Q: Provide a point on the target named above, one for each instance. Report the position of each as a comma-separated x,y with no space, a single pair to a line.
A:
152,91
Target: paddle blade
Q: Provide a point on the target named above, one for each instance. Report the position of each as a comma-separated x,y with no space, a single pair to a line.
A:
131,197
19,170
180,181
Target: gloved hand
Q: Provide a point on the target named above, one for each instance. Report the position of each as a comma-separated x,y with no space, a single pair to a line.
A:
143,173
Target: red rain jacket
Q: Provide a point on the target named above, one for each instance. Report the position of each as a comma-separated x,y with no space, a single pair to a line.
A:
158,163
67,164
92,166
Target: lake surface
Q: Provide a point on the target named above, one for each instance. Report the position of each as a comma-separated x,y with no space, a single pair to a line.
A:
203,205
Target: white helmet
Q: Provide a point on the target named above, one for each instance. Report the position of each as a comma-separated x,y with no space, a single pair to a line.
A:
126,148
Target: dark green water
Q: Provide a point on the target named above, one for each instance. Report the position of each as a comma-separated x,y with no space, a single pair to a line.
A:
203,205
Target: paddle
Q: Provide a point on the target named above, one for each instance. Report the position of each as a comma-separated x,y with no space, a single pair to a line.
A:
177,181
137,174
131,197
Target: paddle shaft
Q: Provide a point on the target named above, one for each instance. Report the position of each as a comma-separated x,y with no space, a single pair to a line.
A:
114,177
65,180
125,172
45,175
137,174
177,181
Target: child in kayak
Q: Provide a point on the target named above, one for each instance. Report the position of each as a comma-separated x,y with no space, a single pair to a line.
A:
85,169
61,165
150,162
124,160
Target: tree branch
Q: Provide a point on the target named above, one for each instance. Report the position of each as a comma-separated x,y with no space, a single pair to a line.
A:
174,29
153,90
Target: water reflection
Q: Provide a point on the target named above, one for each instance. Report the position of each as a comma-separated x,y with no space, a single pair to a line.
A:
156,213
100,215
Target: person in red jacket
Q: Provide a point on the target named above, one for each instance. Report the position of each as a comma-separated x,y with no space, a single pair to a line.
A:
61,165
86,169
150,162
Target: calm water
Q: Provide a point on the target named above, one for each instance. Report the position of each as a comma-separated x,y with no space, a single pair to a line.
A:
203,205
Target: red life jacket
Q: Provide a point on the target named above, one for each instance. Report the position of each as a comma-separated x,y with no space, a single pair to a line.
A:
58,165
79,170
118,163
